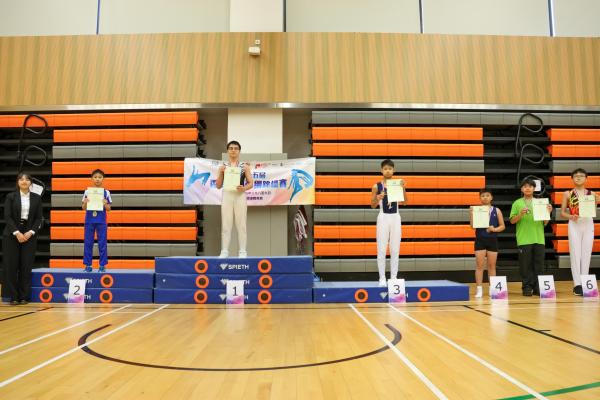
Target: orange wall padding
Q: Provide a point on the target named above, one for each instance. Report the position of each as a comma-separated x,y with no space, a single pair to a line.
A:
112,263
128,233
118,167
425,199
416,182
103,119
408,231
565,182
125,135
574,151
397,150
128,217
347,249
396,133
574,135
119,184
562,246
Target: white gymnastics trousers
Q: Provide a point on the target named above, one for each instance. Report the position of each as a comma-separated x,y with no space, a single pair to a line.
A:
389,230
233,208
581,241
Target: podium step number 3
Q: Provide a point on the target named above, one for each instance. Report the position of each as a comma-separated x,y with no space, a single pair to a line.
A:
396,291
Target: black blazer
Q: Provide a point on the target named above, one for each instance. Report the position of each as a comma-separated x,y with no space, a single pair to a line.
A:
12,212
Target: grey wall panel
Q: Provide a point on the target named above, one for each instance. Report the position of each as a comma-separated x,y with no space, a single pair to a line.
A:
406,264
577,18
564,261
122,200
127,249
401,166
124,151
566,166
477,118
408,215
558,217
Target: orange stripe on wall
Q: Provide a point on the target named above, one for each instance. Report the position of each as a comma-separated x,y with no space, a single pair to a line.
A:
408,231
396,133
416,182
118,167
397,150
422,199
406,248
120,184
128,216
128,233
125,135
574,135
103,119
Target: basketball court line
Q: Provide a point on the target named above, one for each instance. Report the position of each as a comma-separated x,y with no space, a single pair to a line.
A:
402,357
73,350
471,355
2,352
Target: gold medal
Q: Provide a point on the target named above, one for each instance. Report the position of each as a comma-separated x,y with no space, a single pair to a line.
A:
95,213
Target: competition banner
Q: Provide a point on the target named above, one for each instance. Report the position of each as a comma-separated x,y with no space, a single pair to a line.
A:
283,182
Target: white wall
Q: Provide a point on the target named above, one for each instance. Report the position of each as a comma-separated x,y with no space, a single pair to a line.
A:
353,16
487,17
163,16
45,18
256,16
577,18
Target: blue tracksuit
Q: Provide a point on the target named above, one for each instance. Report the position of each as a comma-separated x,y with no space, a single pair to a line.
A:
95,224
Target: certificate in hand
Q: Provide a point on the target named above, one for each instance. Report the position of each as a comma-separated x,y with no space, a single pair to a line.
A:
95,196
481,216
587,206
231,179
540,209
395,190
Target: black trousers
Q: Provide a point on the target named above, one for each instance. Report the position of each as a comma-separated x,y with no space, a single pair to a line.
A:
18,262
531,264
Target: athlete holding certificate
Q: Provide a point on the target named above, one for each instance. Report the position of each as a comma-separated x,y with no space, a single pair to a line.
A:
235,178
389,224
579,207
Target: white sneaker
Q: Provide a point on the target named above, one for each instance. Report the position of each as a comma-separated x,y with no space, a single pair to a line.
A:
382,283
479,292
224,254
242,254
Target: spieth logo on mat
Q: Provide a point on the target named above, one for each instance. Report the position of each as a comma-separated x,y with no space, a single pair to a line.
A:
224,281
68,280
86,297
225,266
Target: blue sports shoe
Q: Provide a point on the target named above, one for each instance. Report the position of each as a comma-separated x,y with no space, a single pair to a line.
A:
102,268
88,268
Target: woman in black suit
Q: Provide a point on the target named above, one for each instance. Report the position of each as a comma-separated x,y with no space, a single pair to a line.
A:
23,216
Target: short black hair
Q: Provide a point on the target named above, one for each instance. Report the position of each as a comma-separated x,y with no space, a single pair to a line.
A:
387,162
579,171
234,142
23,175
485,190
527,181
98,171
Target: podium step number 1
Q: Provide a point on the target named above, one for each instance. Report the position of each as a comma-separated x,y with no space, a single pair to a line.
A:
547,289
396,291
498,288
234,292
589,286
76,291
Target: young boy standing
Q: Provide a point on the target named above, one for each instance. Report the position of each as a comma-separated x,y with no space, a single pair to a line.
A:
486,241
530,238
95,223
389,224
581,230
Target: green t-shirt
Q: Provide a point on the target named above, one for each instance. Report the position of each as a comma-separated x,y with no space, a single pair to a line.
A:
528,230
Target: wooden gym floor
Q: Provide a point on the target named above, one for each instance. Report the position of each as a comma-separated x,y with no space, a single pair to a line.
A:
523,349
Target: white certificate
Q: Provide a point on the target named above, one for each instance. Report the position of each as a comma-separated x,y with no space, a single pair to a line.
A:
540,209
95,196
395,190
481,216
587,206
231,179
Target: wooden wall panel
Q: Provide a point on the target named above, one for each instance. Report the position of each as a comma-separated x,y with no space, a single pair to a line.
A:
299,68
